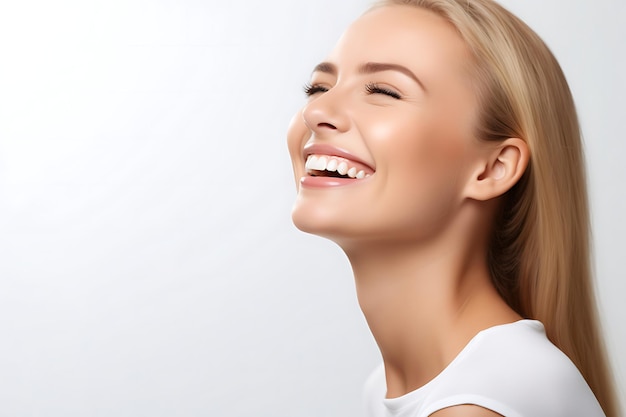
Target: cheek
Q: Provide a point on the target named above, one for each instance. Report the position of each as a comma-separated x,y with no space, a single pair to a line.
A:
423,177
297,135
422,150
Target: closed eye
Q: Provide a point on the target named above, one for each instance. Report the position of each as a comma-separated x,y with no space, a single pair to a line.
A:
373,88
311,89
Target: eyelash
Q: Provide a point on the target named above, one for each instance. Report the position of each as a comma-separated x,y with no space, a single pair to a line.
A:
373,88
370,88
310,89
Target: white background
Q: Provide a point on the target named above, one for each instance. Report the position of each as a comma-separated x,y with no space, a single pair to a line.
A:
148,265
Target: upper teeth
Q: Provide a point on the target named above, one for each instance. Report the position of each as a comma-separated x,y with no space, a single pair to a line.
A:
332,164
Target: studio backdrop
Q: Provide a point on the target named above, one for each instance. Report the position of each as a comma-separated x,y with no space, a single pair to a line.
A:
148,264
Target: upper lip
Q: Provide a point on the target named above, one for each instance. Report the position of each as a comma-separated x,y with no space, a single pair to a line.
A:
329,150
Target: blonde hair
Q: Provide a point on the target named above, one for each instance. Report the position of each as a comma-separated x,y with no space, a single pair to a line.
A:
539,254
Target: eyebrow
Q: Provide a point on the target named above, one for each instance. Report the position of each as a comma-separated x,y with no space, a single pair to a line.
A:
371,68
326,67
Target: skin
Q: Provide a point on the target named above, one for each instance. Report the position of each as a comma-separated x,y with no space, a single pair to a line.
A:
416,230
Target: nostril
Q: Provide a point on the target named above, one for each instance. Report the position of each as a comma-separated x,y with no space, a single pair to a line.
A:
328,125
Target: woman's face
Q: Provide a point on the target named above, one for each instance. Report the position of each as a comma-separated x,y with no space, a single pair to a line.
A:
393,109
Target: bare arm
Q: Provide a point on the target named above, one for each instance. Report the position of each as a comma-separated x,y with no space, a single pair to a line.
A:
465,411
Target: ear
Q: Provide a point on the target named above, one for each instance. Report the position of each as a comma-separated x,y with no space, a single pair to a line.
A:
499,170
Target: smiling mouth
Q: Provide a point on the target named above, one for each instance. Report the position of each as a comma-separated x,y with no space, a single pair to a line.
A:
335,167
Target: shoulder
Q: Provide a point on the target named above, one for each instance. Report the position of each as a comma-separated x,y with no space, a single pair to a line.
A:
519,351
514,370
523,353
509,370
465,411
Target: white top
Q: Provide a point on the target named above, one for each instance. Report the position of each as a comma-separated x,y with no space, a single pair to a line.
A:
512,369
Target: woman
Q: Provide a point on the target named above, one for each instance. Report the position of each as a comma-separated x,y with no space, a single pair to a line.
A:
440,149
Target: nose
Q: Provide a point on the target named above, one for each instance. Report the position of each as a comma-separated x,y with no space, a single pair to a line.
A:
327,113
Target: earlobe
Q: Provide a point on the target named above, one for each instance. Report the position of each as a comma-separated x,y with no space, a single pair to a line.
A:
499,171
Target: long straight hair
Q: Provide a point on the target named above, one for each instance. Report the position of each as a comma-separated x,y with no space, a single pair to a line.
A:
539,254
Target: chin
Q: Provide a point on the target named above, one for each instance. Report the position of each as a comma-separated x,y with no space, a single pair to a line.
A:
314,220
320,220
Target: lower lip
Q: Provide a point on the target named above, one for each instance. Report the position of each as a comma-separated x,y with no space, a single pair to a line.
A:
326,182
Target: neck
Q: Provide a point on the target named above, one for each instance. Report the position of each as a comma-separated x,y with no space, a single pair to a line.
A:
423,304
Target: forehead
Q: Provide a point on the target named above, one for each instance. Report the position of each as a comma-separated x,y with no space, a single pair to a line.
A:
401,34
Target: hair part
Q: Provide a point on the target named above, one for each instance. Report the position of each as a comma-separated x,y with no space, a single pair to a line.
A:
539,254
